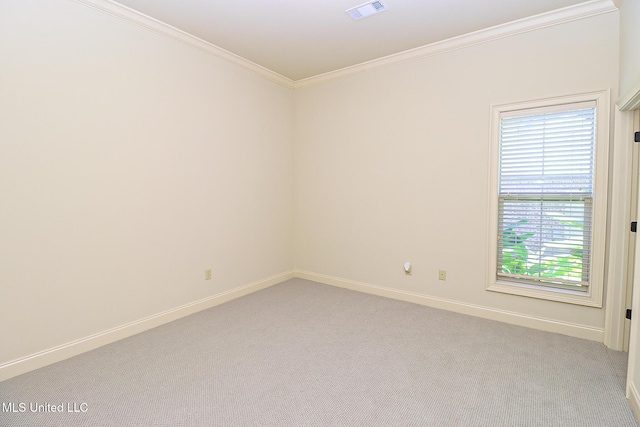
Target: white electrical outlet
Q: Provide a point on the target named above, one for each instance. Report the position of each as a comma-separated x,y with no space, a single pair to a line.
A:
207,274
442,274
407,268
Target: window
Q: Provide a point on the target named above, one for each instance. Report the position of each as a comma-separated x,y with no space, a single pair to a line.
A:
548,198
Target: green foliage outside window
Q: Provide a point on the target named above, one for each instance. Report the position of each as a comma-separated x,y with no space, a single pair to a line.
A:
557,259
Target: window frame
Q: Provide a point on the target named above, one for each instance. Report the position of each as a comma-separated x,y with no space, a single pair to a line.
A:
594,295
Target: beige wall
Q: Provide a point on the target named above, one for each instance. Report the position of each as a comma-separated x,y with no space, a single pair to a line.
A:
629,48
392,165
129,163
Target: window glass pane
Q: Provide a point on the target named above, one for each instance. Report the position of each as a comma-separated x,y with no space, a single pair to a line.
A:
546,182
544,240
550,153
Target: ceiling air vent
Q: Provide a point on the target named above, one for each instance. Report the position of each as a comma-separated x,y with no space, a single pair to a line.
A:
366,9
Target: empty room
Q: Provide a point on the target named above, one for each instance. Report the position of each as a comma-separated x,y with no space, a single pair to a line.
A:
290,213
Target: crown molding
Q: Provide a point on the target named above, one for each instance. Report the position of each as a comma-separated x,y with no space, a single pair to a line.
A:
630,100
543,20
166,30
548,19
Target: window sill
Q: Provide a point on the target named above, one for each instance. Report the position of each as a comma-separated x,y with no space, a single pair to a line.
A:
541,292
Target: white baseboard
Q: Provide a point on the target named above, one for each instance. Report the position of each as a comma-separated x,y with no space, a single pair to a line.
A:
74,348
540,323
56,354
634,400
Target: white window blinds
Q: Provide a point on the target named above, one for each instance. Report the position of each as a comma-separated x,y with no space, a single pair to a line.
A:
545,203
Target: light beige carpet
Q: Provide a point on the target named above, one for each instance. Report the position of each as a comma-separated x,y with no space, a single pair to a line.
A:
305,354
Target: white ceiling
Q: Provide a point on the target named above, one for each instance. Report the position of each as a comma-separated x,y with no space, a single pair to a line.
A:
305,38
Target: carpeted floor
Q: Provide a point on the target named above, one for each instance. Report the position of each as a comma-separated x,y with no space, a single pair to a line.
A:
306,354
